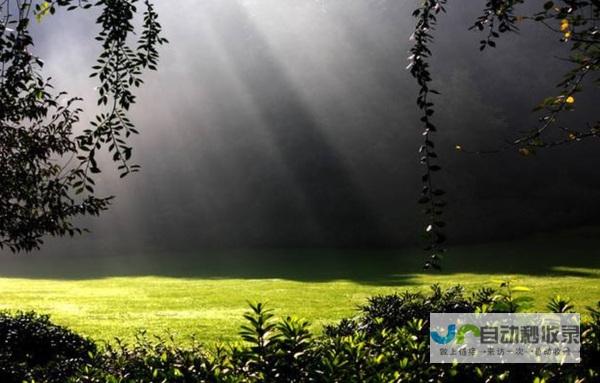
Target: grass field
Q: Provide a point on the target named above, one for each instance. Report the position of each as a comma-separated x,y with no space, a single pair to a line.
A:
205,293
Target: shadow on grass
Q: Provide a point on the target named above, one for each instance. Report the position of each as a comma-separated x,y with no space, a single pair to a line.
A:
574,253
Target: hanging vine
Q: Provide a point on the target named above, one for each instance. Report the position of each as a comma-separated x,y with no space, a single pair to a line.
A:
431,195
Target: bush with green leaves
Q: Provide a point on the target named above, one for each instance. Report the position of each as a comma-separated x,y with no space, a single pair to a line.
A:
33,348
388,341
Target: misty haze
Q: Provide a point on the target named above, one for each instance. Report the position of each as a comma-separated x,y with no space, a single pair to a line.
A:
292,124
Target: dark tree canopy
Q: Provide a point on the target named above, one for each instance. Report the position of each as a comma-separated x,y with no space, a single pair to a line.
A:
46,170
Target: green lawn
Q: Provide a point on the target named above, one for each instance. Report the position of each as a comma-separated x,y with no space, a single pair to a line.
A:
206,293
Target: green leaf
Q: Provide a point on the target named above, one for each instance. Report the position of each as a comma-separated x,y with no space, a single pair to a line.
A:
177,372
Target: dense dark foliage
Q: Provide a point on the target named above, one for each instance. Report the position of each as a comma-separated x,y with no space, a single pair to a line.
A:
387,342
46,170
33,348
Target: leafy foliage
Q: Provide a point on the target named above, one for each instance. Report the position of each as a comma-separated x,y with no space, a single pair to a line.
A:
431,195
33,348
560,305
43,189
388,341
576,24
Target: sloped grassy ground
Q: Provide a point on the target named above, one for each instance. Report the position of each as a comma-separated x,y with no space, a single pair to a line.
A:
205,294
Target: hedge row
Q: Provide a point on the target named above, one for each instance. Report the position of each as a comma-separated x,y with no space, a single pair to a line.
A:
388,341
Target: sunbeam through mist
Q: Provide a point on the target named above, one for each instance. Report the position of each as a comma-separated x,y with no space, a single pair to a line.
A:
291,124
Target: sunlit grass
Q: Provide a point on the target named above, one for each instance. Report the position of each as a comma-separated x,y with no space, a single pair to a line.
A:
212,309
308,284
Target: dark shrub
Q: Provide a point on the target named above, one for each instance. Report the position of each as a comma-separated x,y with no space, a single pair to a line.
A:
156,360
33,348
397,310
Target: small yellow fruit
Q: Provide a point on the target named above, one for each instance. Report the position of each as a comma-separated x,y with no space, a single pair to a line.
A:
524,152
567,35
564,25
570,100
